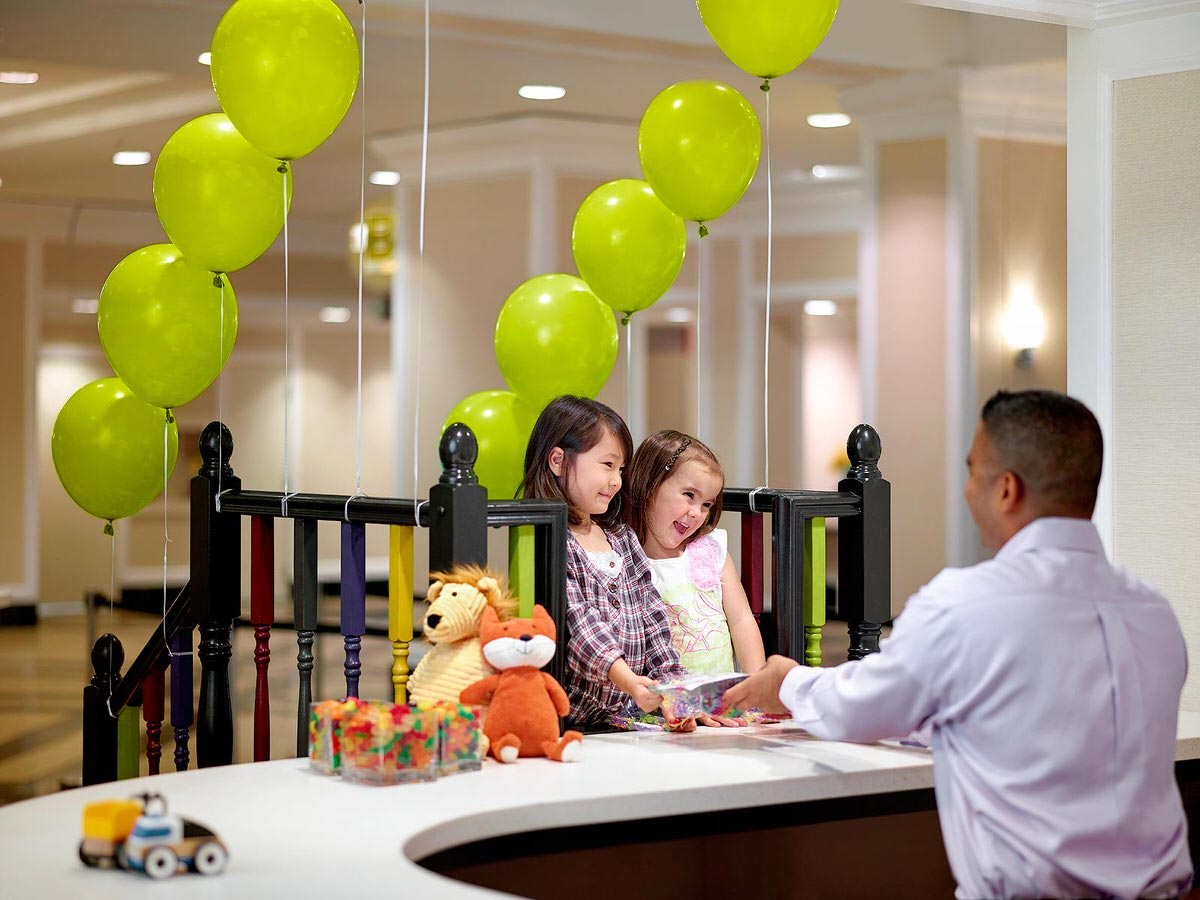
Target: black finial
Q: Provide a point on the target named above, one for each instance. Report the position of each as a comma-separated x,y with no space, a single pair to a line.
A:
864,449
459,450
107,657
213,454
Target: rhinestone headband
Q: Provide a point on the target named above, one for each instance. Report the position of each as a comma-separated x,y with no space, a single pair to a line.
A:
687,441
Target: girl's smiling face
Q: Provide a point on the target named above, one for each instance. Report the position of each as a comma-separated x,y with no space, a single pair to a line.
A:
680,506
596,475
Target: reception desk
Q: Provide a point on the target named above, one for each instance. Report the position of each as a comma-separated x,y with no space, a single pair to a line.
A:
644,814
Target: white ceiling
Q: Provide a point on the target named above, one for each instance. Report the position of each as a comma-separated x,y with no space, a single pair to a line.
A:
122,74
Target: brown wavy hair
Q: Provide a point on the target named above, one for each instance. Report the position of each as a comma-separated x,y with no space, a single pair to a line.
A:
656,458
575,425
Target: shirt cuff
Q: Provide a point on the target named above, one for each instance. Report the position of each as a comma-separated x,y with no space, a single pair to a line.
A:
793,690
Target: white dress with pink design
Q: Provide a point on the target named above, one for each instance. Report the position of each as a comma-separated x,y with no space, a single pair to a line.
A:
690,585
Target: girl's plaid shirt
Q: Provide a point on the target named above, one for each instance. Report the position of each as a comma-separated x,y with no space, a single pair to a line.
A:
612,616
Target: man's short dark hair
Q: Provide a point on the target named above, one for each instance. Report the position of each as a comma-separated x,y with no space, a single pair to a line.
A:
1052,442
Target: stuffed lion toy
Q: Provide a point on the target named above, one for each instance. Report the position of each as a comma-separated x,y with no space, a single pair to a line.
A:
457,601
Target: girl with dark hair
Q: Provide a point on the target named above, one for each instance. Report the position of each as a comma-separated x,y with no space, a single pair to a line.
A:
619,640
675,484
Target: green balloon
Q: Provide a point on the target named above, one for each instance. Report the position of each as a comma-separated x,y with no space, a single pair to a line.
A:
628,246
107,447
285,72
768,38
160,321
699,143
220,201
502,425
553,337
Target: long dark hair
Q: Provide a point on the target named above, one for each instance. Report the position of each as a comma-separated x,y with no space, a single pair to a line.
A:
575,425
657,457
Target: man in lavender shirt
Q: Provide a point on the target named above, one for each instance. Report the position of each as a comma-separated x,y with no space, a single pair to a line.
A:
1047,677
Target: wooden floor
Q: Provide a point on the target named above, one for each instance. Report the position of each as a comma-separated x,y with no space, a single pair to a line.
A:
44,667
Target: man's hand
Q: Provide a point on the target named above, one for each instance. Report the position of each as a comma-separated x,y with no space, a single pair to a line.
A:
641,690
761,690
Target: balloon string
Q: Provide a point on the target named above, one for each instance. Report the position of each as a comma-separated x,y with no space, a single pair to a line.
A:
220,396
287,383
112,590
628,369
699,318
362,249
166,535
767,329
421,267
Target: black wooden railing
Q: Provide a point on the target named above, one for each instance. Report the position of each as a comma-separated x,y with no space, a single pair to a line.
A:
457,515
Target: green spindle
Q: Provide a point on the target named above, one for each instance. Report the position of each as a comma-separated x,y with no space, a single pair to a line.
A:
521,565
129,743
814,589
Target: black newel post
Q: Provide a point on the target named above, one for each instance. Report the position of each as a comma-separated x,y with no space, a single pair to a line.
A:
457,504
865,563
99,728
216,595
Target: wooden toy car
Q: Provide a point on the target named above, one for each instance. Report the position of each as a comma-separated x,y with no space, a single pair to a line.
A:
140,835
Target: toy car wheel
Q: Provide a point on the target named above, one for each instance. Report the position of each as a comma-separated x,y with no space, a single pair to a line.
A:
87,859
211,859
160,862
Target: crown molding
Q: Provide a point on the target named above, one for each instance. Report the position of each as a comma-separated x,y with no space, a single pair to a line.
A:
515,145
1077,13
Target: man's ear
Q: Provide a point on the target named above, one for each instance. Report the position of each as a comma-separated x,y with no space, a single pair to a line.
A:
556,461
1012,492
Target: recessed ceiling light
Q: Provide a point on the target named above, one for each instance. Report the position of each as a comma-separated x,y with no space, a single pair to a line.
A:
820,308
18,77
679,314
828,120
385,177
205,58
836,173
131,157
335,315
85,306
542,92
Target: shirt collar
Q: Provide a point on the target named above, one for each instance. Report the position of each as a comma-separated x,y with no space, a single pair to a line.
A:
1054,533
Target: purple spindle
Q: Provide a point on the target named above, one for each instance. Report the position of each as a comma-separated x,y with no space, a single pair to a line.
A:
181,695
354,599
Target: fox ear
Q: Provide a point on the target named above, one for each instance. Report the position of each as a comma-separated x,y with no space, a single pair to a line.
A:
542,620
489,620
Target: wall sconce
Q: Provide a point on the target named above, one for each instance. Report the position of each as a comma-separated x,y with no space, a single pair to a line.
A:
1024,326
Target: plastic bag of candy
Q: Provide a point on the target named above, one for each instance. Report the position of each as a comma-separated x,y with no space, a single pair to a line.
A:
694,695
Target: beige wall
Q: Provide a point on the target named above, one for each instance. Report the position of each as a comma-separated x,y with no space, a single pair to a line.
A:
1021,242
1156,340
911,367
14,409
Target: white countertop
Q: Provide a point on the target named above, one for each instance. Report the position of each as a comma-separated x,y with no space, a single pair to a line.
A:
290,829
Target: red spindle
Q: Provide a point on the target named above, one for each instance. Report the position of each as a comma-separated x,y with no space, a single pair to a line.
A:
752,561
153,712
262,616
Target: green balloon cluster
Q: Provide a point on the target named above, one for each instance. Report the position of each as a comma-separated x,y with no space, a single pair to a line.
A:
285,72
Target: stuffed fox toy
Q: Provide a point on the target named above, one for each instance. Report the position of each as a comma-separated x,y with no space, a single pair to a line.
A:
457,601
525,703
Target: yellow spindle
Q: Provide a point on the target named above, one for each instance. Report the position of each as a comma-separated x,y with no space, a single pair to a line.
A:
401,577
814,589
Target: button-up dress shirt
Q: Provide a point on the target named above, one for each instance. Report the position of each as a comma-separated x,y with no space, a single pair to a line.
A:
613,614
1049,681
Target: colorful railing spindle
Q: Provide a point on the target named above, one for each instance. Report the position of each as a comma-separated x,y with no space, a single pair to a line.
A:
181,695
522,567
262,617
304,597
814,589
129,740
153,708
401,577
752,561
353,599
